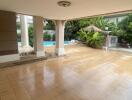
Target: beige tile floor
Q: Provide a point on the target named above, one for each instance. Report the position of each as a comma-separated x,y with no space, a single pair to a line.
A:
83,74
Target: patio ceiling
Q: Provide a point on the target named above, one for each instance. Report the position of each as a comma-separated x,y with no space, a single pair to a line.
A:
79,8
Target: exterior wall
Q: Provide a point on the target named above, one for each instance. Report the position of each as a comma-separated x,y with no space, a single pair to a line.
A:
8,35
116,19
121,18
112,20
113,41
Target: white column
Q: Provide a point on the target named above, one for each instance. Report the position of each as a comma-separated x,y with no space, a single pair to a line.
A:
38,36
24,30
107,42
60,37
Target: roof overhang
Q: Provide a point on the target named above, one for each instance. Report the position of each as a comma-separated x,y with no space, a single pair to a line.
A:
78,9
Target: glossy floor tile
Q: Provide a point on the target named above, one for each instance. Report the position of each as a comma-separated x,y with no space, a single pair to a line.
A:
83,74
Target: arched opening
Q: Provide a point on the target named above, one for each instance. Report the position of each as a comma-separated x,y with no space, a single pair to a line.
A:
49,37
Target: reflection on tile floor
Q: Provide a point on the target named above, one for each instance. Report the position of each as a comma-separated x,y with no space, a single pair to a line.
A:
83,74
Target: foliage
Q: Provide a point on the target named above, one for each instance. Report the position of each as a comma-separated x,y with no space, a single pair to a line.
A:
93,39
67,37
47,37
53,37
71,28
125,29
18,37
18,25
30,33
50,25
113,28
96,40
97,21
82,35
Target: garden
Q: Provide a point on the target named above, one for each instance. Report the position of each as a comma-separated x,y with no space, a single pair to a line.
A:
94,37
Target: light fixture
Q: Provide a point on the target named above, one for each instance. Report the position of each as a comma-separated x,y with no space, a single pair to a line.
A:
64,3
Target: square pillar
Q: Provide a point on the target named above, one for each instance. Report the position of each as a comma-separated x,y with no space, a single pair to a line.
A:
38,36
8,37
60,25
24,30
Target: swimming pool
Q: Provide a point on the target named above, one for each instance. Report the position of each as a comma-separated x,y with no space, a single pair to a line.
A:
52,43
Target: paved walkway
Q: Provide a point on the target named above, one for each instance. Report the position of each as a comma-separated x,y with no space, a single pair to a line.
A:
122,49
83,74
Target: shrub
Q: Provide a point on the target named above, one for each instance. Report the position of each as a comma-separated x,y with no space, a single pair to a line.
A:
82,35
92,39
71,28
125,29
31,37
47,37
95,40
53,37
50,25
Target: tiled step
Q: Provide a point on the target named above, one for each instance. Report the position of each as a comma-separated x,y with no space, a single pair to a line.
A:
23,60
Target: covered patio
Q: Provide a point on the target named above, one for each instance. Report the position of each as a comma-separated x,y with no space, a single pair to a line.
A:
58,11
84,74
78,72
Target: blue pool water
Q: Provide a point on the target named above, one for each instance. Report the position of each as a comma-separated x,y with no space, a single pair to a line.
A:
52,43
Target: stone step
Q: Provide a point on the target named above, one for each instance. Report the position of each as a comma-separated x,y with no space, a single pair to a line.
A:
23,60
